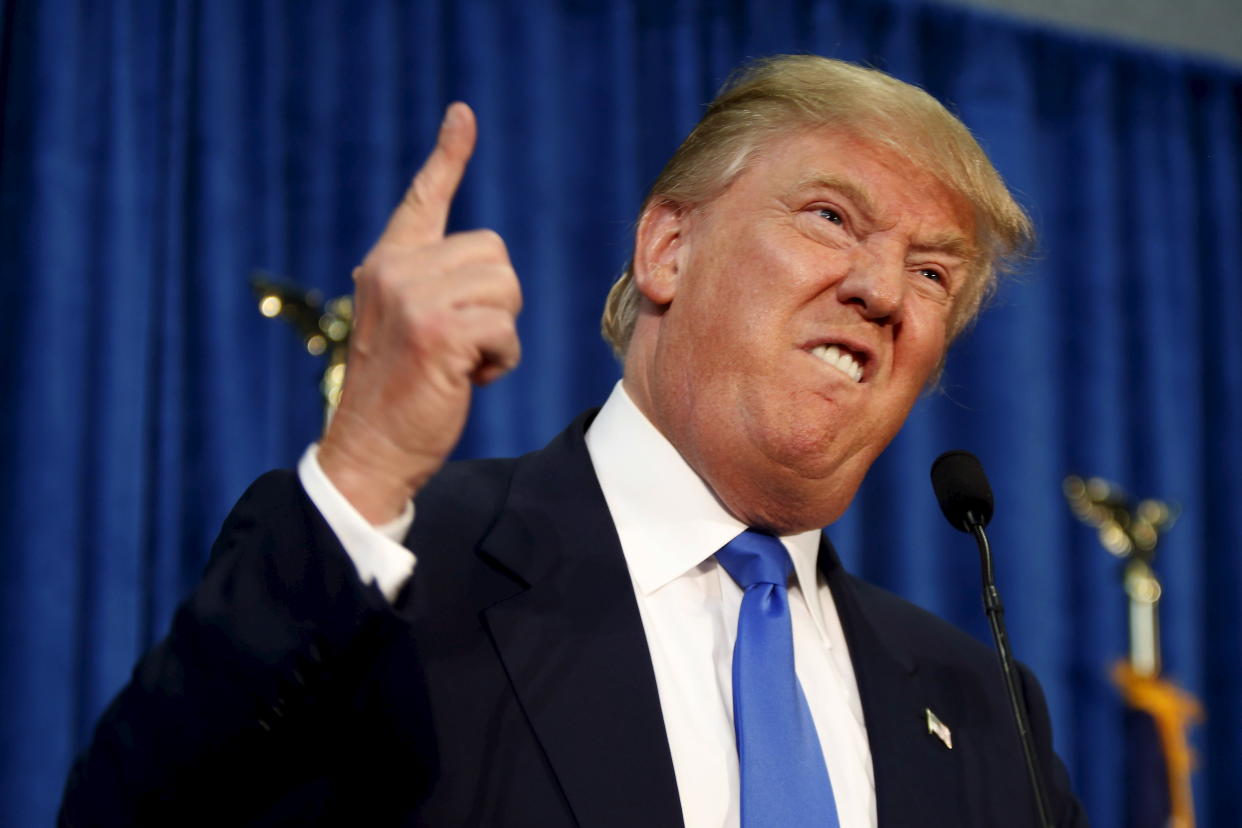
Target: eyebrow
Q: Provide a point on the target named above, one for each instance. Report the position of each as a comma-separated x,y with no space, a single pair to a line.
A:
844,186
949,243
952,244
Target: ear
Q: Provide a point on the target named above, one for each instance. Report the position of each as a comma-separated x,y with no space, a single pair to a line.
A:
659,251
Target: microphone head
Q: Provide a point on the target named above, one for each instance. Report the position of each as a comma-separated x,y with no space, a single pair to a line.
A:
962,489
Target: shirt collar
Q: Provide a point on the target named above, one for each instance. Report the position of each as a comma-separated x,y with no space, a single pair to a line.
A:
667,518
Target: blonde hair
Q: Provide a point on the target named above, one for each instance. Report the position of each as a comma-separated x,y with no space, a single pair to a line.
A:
784,93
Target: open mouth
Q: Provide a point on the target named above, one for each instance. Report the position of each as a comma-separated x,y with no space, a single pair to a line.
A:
843,359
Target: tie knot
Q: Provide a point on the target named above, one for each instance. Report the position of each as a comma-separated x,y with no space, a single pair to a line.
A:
756,558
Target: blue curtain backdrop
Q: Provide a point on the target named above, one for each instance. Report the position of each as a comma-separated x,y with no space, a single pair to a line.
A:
154,154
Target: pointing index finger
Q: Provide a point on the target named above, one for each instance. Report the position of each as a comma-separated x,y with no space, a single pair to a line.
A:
423,213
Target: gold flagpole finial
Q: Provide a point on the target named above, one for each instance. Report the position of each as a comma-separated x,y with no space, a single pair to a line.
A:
324,327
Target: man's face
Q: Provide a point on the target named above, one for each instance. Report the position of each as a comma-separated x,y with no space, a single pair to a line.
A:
802,312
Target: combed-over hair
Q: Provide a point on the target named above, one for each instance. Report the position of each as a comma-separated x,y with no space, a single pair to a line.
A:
784,93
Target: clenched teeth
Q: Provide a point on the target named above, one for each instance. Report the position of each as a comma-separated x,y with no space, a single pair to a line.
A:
841,359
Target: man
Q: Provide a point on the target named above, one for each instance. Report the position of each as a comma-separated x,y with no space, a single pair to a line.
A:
559,649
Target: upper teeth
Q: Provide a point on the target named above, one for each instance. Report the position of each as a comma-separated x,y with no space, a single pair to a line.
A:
839,358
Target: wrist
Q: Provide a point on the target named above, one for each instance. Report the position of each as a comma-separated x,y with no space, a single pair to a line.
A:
376,489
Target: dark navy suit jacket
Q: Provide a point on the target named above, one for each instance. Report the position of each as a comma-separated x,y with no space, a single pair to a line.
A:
510,684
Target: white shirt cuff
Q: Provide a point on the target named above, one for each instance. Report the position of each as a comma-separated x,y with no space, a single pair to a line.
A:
376,551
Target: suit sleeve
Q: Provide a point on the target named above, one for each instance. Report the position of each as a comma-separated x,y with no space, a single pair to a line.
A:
376,551
235,715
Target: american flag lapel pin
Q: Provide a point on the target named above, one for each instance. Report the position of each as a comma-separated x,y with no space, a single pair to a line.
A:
939,729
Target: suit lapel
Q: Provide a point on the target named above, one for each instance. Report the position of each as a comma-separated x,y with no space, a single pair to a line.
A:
918,778
572,641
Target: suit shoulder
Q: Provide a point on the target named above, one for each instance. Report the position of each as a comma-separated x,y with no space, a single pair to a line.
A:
461,501
484,479
922,630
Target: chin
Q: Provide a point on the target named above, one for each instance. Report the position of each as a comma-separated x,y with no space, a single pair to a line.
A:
784,519
784,470
790,503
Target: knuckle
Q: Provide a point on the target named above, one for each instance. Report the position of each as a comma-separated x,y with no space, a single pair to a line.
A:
389,271
431,328
490,236
500,288
374,282
490,242
505,290
506,324
514,292
365,276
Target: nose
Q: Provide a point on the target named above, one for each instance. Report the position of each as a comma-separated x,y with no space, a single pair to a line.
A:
876,285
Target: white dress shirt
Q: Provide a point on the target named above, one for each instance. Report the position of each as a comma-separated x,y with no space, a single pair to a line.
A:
670,526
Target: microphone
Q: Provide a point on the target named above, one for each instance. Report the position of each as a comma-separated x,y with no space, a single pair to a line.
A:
966,499
962,490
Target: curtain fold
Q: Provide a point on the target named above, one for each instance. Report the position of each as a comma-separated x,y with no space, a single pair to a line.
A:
154,155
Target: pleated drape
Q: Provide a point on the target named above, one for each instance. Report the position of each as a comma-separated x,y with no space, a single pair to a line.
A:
153,155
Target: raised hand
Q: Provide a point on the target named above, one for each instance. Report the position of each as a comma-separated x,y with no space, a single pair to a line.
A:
436,314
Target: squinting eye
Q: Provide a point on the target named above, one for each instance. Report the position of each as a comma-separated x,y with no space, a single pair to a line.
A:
831,215
934,275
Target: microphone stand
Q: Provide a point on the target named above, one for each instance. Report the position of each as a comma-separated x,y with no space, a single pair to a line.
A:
996,619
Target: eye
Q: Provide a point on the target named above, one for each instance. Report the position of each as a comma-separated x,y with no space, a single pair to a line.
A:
931,273
831,215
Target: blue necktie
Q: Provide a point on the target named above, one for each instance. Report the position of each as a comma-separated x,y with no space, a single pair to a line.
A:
784,780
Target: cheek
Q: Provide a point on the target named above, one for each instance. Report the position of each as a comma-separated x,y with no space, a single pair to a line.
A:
922,342
931,356
728,332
